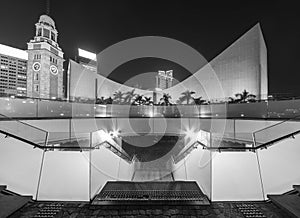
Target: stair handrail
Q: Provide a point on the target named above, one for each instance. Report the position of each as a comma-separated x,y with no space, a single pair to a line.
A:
276,124
264,145
23,139
27,124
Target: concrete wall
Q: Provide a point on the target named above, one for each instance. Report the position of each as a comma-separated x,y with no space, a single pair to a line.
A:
19,166
65,176
280,166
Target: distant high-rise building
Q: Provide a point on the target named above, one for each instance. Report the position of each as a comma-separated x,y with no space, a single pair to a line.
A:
13,71
164,79
45,62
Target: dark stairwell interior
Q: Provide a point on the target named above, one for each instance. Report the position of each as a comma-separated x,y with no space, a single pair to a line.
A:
153,155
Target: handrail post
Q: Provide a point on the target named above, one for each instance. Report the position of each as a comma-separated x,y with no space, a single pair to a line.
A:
260,175
42,164
46,139
90,166
258,165
254,141
40,175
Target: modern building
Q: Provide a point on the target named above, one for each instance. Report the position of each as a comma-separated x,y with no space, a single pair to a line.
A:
45,62
13,71
164,79
241,66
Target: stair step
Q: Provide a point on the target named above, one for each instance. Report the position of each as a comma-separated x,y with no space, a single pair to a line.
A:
2,187
10,204
8,192
297,188
289,203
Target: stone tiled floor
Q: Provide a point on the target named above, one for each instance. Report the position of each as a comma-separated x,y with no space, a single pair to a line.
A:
80,210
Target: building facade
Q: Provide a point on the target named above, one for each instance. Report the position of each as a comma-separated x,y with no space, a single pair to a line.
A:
13,71
164,79
45,62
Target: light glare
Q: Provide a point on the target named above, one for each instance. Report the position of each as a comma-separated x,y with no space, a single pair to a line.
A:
87,54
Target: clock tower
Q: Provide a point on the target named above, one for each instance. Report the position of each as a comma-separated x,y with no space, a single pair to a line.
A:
45,62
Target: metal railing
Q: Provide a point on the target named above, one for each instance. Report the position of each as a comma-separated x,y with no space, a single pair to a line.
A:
23,131
43,139
43,109
261,138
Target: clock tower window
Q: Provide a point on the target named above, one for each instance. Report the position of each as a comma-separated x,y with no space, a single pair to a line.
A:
36,87
36,76
53,36
46,33
39,32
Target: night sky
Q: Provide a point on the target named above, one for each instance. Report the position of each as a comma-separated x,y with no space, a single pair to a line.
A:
208,26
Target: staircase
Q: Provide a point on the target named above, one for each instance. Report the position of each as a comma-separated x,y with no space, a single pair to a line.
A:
152,175
10,202
289,202
151,193
158,170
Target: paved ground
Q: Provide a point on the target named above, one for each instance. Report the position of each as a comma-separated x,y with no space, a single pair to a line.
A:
81,210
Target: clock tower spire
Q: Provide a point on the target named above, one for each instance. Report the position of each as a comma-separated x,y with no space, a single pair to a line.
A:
45,62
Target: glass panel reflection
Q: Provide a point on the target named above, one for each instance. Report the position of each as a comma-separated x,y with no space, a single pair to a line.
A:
20,165
65,176
23,131
276,132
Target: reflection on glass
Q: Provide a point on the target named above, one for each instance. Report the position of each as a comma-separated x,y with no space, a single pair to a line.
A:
23,131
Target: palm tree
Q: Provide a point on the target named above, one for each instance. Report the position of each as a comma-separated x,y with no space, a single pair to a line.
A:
100,100
148,101
165,100
245,97
139,100
187,97
118,97
129,96
199,101
232,100
77,99
108,100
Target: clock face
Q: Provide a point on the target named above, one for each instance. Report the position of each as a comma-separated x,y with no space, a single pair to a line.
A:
36,66
53,69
